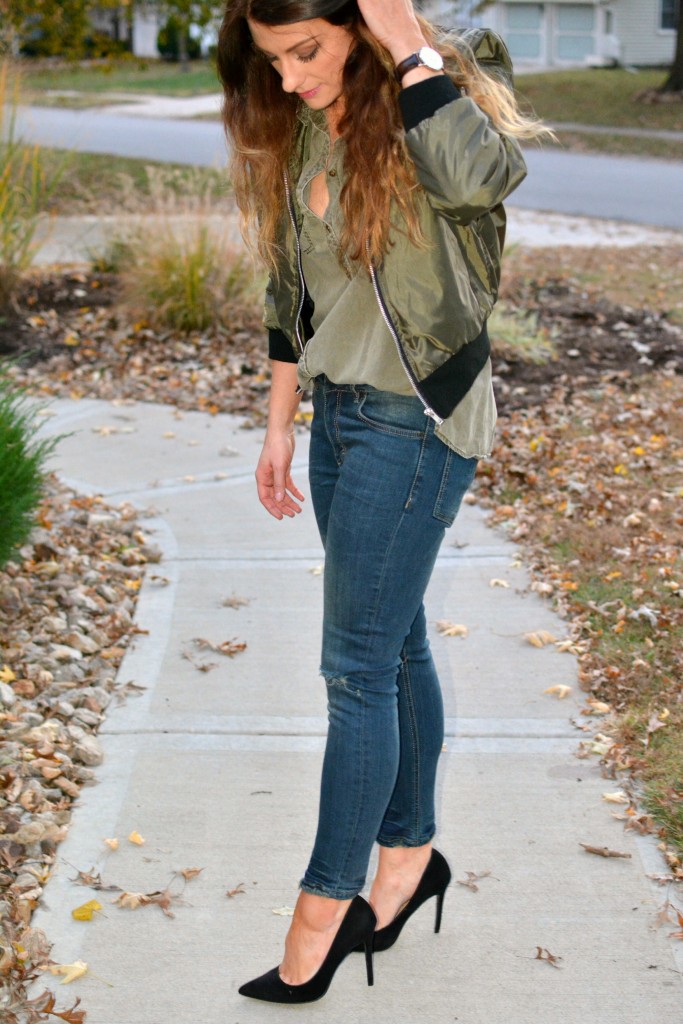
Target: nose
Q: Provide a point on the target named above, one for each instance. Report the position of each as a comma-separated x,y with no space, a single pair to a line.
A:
292,76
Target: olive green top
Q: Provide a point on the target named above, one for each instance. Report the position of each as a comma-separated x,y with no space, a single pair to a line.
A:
351,343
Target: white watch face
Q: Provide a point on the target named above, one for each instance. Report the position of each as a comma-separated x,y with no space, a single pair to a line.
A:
430,58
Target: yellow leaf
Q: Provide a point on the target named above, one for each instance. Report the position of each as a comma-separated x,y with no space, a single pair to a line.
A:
136,838
447,628
71,339
283,911
70,971
560,690
7,675
499,583
540,638
317,570
86,910
132,584
113,844
616,798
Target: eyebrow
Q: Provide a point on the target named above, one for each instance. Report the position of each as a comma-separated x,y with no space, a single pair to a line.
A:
291,49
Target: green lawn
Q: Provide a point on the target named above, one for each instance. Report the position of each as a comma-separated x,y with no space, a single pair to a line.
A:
604,96
95,183
122,76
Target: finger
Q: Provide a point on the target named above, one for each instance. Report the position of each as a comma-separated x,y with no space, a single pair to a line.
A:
291,486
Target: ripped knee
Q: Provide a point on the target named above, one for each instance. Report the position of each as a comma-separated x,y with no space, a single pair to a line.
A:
339,683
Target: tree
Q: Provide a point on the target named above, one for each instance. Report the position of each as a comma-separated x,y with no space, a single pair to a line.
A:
674,82
187,13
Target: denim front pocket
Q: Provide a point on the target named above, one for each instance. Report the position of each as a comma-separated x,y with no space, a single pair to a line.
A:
456,478
399,415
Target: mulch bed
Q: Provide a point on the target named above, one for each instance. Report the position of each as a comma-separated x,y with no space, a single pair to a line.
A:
68,338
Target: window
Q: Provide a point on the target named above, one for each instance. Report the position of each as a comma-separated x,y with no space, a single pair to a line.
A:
671,12
523,35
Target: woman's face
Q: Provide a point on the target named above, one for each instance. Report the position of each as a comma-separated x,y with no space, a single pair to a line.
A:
308,55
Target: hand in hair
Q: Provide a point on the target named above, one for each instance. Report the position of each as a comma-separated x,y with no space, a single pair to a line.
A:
394,24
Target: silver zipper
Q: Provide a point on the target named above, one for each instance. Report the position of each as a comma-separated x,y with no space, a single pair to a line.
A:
302,283
399,348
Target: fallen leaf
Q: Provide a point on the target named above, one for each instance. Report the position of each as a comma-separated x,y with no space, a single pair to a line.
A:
603,851
560,690
227,647
237,891
131,900
70,971
547,956
235,602
317,570
540,638
136,838
45,1003
7,675
189,873
596,707
472,878
113,844
283,911
499,583
447,628
616,798
86,910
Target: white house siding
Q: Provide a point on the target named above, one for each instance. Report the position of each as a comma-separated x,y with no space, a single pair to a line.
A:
643,41
566,33
145,32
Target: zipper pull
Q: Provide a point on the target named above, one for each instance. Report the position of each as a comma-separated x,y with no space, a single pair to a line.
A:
433,416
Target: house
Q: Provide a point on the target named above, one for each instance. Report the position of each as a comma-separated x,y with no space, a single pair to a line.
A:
564,33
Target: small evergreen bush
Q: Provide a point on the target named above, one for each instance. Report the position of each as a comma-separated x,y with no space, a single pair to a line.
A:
22,461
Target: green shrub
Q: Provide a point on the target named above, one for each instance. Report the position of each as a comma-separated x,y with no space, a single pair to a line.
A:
22,460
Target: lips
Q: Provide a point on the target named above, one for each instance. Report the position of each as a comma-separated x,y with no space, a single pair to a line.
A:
308,95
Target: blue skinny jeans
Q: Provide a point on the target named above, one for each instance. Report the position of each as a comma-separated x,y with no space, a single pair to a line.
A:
384,489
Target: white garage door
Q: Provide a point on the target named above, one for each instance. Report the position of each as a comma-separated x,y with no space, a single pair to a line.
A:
574,32
524,31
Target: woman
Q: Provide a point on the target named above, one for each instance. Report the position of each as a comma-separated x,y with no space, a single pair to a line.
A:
373,157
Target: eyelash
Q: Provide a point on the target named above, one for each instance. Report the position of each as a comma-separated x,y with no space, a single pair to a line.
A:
304,58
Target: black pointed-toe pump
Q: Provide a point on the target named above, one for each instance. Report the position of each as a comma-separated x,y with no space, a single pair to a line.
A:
434,882
356,931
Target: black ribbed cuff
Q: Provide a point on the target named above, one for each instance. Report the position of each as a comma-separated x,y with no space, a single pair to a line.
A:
422,100
280,347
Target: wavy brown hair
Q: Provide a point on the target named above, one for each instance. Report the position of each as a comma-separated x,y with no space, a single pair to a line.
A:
260,120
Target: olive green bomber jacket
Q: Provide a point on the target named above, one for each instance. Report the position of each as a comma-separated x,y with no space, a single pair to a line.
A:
435,300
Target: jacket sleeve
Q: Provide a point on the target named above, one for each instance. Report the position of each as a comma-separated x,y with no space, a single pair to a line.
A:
465,166
279,345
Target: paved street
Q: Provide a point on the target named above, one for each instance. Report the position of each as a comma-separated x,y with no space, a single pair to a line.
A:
623,188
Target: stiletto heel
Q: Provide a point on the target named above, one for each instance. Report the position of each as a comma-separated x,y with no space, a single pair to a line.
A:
434,882
439,910
368,961
358,926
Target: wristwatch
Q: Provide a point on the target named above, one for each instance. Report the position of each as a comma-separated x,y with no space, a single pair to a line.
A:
425,57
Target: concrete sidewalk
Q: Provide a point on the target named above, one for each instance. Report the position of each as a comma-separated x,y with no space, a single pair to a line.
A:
79,239
220,771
